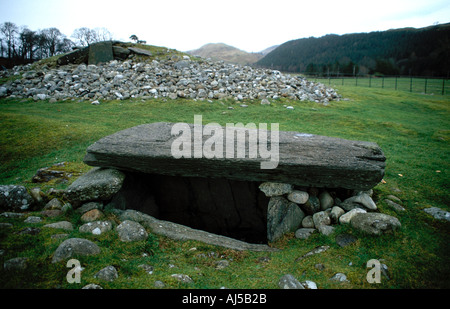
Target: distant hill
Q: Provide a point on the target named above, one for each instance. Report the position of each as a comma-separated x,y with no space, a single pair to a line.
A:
220,51
423,51
268,50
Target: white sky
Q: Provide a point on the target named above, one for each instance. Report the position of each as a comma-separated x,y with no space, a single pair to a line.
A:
251,25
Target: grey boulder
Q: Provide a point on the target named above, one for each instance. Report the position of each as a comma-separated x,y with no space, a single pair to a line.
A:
75,247
375,223
97,184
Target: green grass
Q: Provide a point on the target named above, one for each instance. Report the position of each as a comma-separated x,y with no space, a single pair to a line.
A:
434,86
412,129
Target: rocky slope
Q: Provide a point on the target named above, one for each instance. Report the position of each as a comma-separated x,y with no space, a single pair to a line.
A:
168,78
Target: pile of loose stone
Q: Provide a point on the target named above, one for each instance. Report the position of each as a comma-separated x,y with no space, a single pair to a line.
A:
316,210
167,78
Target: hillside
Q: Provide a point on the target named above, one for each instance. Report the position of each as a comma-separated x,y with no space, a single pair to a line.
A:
220,51
423,51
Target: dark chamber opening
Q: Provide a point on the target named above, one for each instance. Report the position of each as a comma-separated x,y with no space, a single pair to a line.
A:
236,209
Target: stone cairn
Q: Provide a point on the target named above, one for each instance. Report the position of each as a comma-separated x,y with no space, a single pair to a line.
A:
107,71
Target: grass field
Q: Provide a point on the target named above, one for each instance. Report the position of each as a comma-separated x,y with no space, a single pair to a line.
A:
434,86
413,130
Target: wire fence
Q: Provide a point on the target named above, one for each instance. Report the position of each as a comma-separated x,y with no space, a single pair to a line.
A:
420,84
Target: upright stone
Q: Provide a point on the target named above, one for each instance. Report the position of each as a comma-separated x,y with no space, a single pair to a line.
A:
100,52
283,217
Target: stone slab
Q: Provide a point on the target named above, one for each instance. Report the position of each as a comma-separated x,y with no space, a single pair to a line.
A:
140,51
100,52
304,159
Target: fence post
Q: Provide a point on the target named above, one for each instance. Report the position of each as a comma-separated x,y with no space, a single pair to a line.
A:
410,84
426,81
370,81
382,82
396,83
443,86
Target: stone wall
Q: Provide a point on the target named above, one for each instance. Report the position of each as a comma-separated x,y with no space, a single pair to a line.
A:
255,212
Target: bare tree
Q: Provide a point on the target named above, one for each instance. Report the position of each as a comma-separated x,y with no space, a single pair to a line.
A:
29,40
101,34
53,36
85,36
64,45
9,31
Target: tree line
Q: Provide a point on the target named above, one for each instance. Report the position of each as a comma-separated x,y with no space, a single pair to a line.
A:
20,45
407,51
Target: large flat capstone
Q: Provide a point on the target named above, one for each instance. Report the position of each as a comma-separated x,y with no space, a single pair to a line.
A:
302,159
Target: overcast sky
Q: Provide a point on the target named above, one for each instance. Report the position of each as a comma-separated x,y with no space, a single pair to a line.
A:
251,25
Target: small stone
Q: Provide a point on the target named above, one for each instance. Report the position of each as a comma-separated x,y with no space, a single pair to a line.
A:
147,268
336,213
309,285
109,273
340,277
438,213
97,184
326,230
8,214
289,282
92,215
275,189
89,206
66,207
159,284
347,217
37,195
364,199
63,225
131,231
182,278
15,264
375,223
298,197
326,200
394,205
33,219
96,228
312,205
394,198
54,204
321,218
222,264
304,233
92,286
308,222
52,213
14,198
75,247
29,231
319,266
